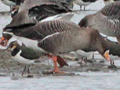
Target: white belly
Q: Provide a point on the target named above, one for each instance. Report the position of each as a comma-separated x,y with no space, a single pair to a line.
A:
22,60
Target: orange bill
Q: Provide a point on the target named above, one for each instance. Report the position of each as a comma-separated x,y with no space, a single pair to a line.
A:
106,55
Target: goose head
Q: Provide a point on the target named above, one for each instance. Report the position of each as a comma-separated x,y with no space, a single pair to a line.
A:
102,48
98,43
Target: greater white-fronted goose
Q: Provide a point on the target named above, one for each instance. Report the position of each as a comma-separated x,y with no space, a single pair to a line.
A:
59,36
106,21
66,41
84,3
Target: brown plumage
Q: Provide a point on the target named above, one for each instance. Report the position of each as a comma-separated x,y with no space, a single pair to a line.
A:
72,40
106,21
42,29
32,3
64,33
60,36
41,9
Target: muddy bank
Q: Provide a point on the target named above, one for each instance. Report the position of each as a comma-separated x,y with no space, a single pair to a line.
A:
8,66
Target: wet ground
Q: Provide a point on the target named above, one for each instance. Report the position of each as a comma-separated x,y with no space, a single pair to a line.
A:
89,76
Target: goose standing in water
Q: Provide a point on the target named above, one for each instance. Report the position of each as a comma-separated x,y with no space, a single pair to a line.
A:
84,3
56,37
106,21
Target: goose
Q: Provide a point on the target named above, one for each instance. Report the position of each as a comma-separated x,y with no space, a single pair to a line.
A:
67,41
84,3
58,36
22,19
33,3
39,11
106,21
43,8
12,3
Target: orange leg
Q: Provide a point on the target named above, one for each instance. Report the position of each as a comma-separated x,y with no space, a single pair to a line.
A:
56,68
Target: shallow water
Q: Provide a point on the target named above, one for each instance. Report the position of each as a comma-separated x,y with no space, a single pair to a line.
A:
84,81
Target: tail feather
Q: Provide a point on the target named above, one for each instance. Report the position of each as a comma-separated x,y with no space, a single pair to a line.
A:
61,61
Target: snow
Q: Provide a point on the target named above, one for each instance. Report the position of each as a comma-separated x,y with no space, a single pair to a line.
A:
84,81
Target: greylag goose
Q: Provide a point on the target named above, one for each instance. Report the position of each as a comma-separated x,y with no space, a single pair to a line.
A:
84,3
106,21
58,36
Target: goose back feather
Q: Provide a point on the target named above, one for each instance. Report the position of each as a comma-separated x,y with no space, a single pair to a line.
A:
41,30
107,20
